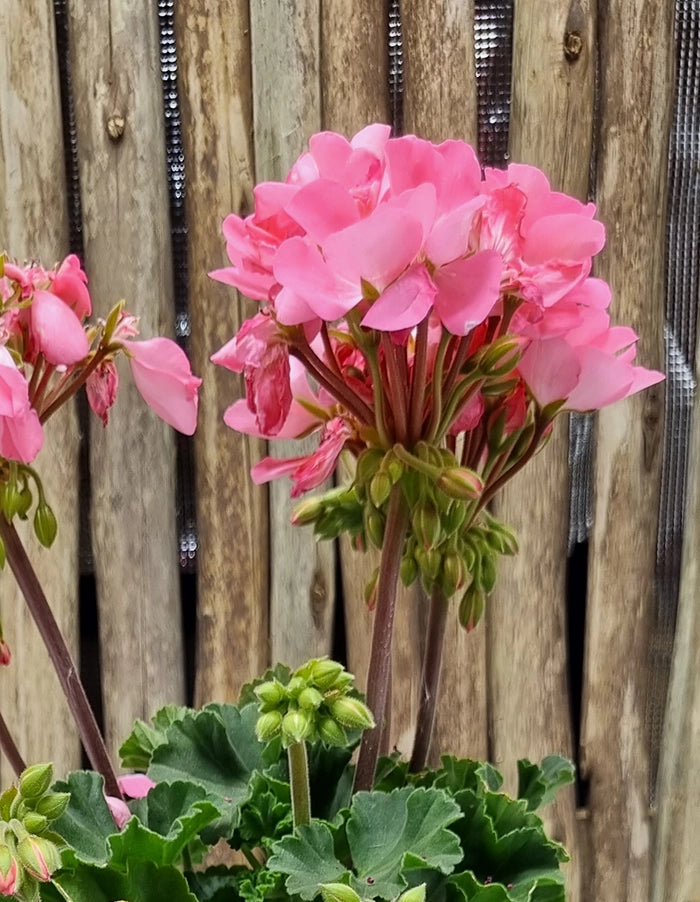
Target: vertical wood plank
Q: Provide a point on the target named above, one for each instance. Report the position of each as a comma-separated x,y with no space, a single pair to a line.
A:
232,559
33,224
676,861
635,87
552,128
440,103
127,247
285,41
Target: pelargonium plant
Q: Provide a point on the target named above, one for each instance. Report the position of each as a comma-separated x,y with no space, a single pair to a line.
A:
429,321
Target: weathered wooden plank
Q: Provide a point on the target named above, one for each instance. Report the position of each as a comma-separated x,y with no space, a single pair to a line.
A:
676,861
551,127
214,70
119,113
33,224
285,41
635,87
440,103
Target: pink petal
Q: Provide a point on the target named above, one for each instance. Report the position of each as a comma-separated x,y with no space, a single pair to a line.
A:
136,786
551,370
468,290
404,304
449,238
301,268
70,284
57,331
566,236
119,811
321,208
163,376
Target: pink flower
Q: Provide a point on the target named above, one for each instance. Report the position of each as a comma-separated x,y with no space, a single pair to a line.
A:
55,330
70,284
310,471
163,376
119,811
264,358
9,879
21,434
101,389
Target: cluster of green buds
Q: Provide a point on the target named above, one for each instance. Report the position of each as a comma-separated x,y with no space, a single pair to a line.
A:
29,851
341,892
318,702
17,499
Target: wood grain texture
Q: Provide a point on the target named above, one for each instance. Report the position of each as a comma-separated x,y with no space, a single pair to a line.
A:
440,103
232,560
33,224
552,128
635,87
676,860
285,44
127,247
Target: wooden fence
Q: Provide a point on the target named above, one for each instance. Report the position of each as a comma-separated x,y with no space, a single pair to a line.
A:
256,79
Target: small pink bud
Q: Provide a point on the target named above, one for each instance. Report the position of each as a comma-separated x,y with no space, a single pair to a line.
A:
5,655
39,856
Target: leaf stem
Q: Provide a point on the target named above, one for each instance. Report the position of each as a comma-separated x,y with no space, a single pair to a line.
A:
66,671
9,748
299,783
380,653
430,678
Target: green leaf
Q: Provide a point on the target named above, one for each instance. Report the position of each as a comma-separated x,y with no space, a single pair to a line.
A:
216,749
308,859
143,882
538,784
87,823
137,749
384,827
171,816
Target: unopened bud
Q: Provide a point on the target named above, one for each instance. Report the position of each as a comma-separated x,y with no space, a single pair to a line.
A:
414,894
338,892
25,501
427,527
310,699
324,673
53,805
351,712
45,526
380,488
331,732
35,823
268,725
370,590
10,874
35,780
460,483
270,694
367,465
429,561
408,570
374,525
308,511
488,572
10,499
501,357
393,466
296,727
471,607
39,856
5,654
453,573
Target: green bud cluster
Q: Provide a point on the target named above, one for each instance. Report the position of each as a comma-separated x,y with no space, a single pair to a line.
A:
29,851
17,498
318,702
341,892
332,514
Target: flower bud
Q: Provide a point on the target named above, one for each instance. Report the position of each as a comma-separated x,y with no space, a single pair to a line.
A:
6,802
374,524
297,726
488,572
471,607
338,892
268,725
380,488
295,686
310,699
370,591
270,694
39,856
35,781
351,712
35,823
429,561
10,499
331,732
408,570
5,653
45,526
414,894
367,465
53,804
460,483
24,502
454,573
393,466
10,874
501,356
324,673
426,524
308,511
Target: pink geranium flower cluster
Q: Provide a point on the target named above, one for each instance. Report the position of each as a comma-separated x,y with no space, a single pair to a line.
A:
48,351
407,296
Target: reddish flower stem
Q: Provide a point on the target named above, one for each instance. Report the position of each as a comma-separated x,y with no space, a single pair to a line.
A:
63,392
380,654
397,389
61,659
420,369
9,748
430,679
332,383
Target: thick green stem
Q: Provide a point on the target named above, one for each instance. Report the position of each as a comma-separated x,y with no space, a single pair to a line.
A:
61,659
299,783
9,748
430,679
380,652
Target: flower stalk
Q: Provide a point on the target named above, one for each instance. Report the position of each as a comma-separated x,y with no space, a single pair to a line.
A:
299,783
9,748
61,659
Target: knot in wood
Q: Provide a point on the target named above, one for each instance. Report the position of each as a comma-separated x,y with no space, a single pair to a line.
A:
115,126
573,45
